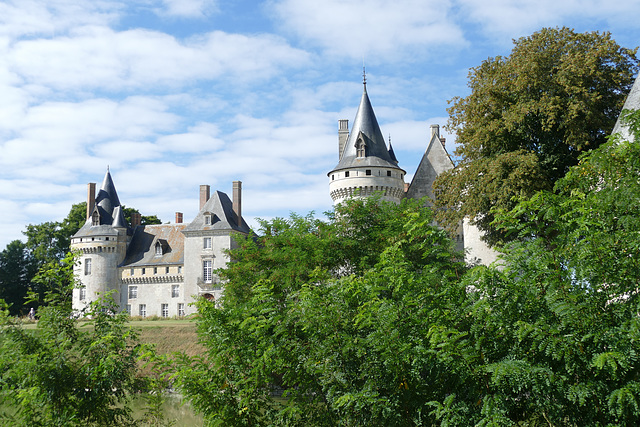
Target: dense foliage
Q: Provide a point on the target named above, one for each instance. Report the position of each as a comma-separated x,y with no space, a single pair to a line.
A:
528,119
368,319
62,374
331,314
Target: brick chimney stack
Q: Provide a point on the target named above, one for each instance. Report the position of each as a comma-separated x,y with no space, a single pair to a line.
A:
136,219
237,200
178,217
91,198
205,194
343,135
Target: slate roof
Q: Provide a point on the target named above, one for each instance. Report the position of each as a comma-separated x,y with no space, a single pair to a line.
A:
108,207
142,249
223,216
366,124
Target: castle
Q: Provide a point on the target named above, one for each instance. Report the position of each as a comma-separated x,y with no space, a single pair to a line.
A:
154,270
160,269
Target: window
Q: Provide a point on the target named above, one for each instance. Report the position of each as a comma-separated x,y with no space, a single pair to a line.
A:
388,173
333,176
368,172
166,270
155,270
207,243
142,310
175,291
133,292
179,269
83,293
95,218
181,309
361,148
207,219
206,270
158,249
87,266
128,308
131,272
346,174
144,271
164,310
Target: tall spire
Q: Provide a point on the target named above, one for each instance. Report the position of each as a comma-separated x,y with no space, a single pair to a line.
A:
107,199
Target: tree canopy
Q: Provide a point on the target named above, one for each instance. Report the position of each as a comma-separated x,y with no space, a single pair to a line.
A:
528,118
369,319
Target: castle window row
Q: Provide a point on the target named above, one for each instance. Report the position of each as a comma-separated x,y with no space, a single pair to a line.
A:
133,291
367,172
156,270
89,239
164,310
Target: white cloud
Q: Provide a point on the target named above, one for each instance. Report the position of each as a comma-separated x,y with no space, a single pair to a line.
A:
99,57
377,30
512,19
50,17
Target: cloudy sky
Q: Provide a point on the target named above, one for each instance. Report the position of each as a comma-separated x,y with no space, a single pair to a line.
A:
171,94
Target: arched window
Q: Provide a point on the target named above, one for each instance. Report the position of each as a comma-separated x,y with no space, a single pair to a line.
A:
158,249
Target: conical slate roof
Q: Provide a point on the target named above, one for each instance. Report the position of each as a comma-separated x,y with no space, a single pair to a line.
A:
109,210
107,200
632,103
365,126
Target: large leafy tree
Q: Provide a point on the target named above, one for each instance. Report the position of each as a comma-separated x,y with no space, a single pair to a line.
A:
555,334
529,117
335,315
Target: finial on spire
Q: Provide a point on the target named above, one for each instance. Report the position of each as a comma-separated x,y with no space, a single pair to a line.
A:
107,168
364,75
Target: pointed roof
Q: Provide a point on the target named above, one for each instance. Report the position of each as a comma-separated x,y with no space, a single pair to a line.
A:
223,217
435,161
109,210
632,103
366,129
107,200
391,153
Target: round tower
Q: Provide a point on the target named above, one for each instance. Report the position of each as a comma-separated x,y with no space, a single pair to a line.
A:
102,246
366,166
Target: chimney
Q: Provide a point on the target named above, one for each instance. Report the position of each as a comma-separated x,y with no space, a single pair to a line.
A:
178,217
91,198
435,130
204,195
343,135
237,200
136,219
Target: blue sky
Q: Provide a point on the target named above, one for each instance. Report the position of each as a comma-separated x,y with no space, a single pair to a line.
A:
171,94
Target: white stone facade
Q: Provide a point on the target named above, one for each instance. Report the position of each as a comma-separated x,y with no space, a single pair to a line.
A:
154,270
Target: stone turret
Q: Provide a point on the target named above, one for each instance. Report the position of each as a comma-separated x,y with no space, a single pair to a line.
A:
366,165
102,244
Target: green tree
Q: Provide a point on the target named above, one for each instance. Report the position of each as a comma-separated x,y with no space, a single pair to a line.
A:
335,315
528,119
556,332
16,271
63,375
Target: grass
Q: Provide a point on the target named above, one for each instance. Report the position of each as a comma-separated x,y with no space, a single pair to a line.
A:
168,335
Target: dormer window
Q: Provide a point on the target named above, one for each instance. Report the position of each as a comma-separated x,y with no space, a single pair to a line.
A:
207,219
158,249
361,147
95,218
